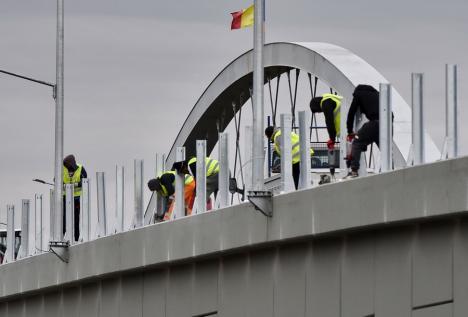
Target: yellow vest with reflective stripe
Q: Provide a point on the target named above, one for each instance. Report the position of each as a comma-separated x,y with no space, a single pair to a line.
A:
188,180
212,165
74,179
296,147
336,112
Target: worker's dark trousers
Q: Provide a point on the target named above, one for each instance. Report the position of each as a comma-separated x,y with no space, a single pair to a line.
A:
368,134
296,169
77,217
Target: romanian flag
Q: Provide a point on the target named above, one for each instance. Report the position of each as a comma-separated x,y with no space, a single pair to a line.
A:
242,19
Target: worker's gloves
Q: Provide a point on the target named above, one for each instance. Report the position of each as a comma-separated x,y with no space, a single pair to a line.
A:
331,144
350,137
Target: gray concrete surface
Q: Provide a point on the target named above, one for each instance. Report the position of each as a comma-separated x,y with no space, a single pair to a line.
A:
366,247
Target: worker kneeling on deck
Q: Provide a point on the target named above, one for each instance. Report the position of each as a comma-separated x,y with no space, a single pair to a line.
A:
73,173
365,100
275,136
164,185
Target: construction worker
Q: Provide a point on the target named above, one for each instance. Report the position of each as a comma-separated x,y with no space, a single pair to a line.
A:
366,101
73,173
274,135
212,171
330,105
165,186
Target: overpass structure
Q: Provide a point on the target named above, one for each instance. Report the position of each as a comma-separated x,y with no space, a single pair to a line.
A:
390,244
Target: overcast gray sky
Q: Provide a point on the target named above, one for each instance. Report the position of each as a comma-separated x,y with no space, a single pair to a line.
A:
134,69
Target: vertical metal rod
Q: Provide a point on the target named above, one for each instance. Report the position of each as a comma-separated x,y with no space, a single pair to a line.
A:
179,209
38,222
201,177
223,175
59,126
417,118
385,127
101,203
138,193
287,183
304,138
85,204
258,82
69,213
52,216
24,248
342,137
119,198
10,238
451,110
160,168
248,141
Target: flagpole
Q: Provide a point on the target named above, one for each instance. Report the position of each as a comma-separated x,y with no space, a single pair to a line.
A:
258,155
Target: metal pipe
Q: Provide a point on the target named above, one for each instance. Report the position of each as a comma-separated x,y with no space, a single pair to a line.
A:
304,138
258,153
69,213
179,209
85,204
342,137
201,178
417,118
287,183
52,216
385,127
38,223
24,248
223,196
119,198
138,193
451,110
101,203
59,105
10,238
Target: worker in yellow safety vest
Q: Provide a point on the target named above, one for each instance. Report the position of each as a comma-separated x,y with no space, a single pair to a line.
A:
164,185
212,173
73,173
274,135
330,105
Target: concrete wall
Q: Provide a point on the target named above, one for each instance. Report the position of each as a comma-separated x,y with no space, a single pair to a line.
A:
389,245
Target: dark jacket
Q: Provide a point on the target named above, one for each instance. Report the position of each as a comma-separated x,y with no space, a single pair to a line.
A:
366,100
328,107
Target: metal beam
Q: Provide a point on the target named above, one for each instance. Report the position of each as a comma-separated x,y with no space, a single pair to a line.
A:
24,248
101,203
85,205
119,198
200,195
451,111
304,137
69,213
287,183
223,195
417,81
179,209
138,193
10,238
385,127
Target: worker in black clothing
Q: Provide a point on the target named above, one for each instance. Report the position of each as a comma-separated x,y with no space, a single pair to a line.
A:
73,173
366,100
330,105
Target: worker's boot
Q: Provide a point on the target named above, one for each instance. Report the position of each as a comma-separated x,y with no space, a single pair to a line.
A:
352,174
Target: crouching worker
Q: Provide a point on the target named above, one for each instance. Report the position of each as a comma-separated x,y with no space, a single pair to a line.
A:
164,185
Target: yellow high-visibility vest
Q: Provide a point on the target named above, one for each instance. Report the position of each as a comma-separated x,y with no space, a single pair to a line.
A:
336,112
212,165
74,179
188,180
295,151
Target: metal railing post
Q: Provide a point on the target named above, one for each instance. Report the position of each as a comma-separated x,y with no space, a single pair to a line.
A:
160,168
287,183
85,204
417,118
179,208
138,193
385,127
200,189
119,198
69,213
10,238
52,216
223,174
101,203
38,223
304,137
247,170
451,111
24,248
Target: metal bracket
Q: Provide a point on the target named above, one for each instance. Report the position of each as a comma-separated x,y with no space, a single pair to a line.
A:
60,249
262,201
